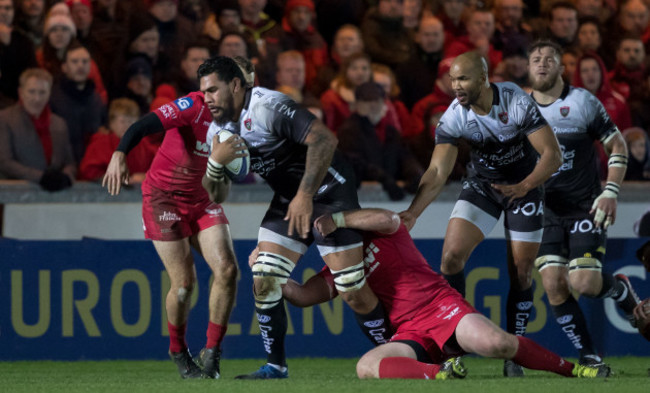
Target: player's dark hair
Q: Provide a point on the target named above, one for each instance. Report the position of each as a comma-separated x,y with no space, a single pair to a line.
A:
225,68
538,45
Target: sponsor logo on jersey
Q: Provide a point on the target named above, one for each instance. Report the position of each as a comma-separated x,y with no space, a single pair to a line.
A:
202,149
184,103
248,123
214,212
167,111
564,111
477,137
452,313
169,216
564,319
524,306
503,116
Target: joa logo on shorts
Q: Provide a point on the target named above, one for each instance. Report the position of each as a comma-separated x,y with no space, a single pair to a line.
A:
184,103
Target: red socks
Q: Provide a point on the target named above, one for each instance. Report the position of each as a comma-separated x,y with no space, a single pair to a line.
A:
176,337
215,334
534,356
406,368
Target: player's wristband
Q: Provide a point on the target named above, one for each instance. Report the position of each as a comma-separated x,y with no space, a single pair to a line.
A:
611,190
617,161
338,219
215,170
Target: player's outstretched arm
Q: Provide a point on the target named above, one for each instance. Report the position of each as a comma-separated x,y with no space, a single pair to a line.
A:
550,159
373,220
604,206
117,172
434,178
321,144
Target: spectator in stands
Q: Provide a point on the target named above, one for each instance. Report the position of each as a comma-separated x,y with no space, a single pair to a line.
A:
233,45
397,115
265,35
34,143
638,165
30,16
590,39
411,14
194,55
569,62
139,86
563,23
441,97
228,15
630,66
175,30
592,9
336,101
511,33
197,12
59,34
514,68
16,54
121,114
480,30
416,76
301,35
347,42
74,99
451,15
335,14
82,16
632,20
639,102
290,80
377,154
591,74
386,39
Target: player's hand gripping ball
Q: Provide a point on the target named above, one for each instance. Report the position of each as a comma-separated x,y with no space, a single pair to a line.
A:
238,168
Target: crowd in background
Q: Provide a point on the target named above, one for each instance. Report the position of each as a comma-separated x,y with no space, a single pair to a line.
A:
75,74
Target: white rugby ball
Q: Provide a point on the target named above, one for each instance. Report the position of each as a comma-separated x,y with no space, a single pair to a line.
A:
238,168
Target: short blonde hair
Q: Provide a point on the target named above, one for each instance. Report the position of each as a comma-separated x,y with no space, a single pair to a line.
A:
123,107
384,69
37,73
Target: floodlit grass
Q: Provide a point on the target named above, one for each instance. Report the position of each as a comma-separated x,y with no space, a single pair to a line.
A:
307,375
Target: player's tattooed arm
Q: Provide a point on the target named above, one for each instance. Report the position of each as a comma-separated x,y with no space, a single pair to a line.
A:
321,144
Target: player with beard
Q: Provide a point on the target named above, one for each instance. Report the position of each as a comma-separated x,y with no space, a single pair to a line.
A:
178,214
513,152
431,320
296,154
577,211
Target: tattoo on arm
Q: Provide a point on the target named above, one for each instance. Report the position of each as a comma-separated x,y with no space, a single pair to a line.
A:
321,144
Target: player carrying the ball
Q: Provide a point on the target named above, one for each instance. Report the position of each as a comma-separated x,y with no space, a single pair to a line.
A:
296,154
177,214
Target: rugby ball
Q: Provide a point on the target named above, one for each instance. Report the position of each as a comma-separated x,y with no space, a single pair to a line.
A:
238,168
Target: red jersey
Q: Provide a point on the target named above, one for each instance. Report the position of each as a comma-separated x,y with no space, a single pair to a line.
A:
183,155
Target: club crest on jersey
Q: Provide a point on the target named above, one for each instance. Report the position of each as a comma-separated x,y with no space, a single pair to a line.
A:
248,123
503,116
564,111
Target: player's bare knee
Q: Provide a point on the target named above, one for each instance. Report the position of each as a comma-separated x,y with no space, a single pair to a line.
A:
502,345
556,290
524,273
585,275
367,367
226,270
184,291
585,286
453,261
270,272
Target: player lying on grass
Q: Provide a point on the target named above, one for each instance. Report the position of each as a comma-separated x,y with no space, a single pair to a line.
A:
432,322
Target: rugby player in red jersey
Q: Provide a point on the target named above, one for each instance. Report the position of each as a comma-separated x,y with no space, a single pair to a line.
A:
431,321
177,214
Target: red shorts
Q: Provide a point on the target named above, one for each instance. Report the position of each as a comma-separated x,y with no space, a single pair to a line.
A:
435,324
167,217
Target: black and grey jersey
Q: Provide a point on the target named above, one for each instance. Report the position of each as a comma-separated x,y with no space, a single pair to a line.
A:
274,128
501,151
578,119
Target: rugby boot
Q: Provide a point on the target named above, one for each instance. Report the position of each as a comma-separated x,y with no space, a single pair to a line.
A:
512,369
209,362
630,299
591,360
457,367
446,371
600,371
186,366
265,372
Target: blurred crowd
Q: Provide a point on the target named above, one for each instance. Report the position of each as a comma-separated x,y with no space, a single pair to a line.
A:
75,74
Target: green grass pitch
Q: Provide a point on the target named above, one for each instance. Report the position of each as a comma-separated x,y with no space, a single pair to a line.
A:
306,375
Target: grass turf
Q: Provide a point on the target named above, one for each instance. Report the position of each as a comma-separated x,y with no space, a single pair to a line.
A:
307,375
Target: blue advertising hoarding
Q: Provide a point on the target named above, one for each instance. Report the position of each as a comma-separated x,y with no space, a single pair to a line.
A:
96,299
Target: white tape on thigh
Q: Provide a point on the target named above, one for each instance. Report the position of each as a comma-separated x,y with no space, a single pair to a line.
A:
274,270
349,279
545,261
474,214
585,264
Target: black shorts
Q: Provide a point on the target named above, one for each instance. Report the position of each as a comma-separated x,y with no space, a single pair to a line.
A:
342,197
572,236
482,205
